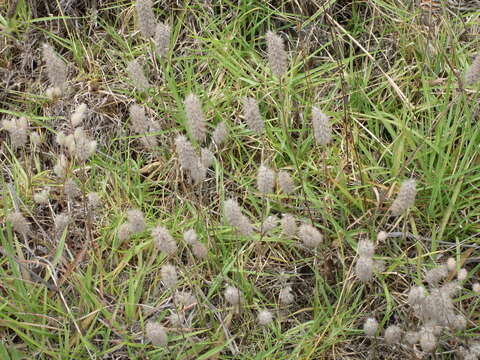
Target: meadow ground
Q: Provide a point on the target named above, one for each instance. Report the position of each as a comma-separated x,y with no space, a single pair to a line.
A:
391,80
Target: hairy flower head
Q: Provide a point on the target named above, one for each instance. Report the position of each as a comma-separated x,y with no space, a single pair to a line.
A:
285,182
322,130
195,118
137,76
289,225
393,335
220,133
405,197
264,317
56,70
18,131
146,17
235,217
169,275
265,179
19,223
310,236
277,56
370,327
233,296
472,75
164,241
364,268
79,115
162,38
252,115
156,333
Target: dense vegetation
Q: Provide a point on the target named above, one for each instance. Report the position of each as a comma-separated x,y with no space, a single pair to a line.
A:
239,180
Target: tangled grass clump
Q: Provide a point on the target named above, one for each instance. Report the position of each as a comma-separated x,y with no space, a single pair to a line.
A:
200,203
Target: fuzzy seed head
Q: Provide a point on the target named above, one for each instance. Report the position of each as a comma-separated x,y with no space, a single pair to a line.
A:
149,142
186,153
156,333
200,174
366,248
164,242
476,288
462,274
71,189
136,220
19,223
472,74
459,322
61,139
285,297
220,133
139,122
18,131
80,146
146,17
124,232
392,335
234,216
370,327
69,142
450,289
61,222
277,56
190,237
206,157
53,92
289,225
264,317
142,125
411,337
35,139
364,268
199,250
437,309
252,116
451,264
405,197
416,295
195,118
169,275
162,39
269,224
137,76
310,236
94,200
285,182
322,130
56,70
184,299
382,236
176,319
60,168
79,115
265,180
232,295
189,160
428,341
435,275
41,197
